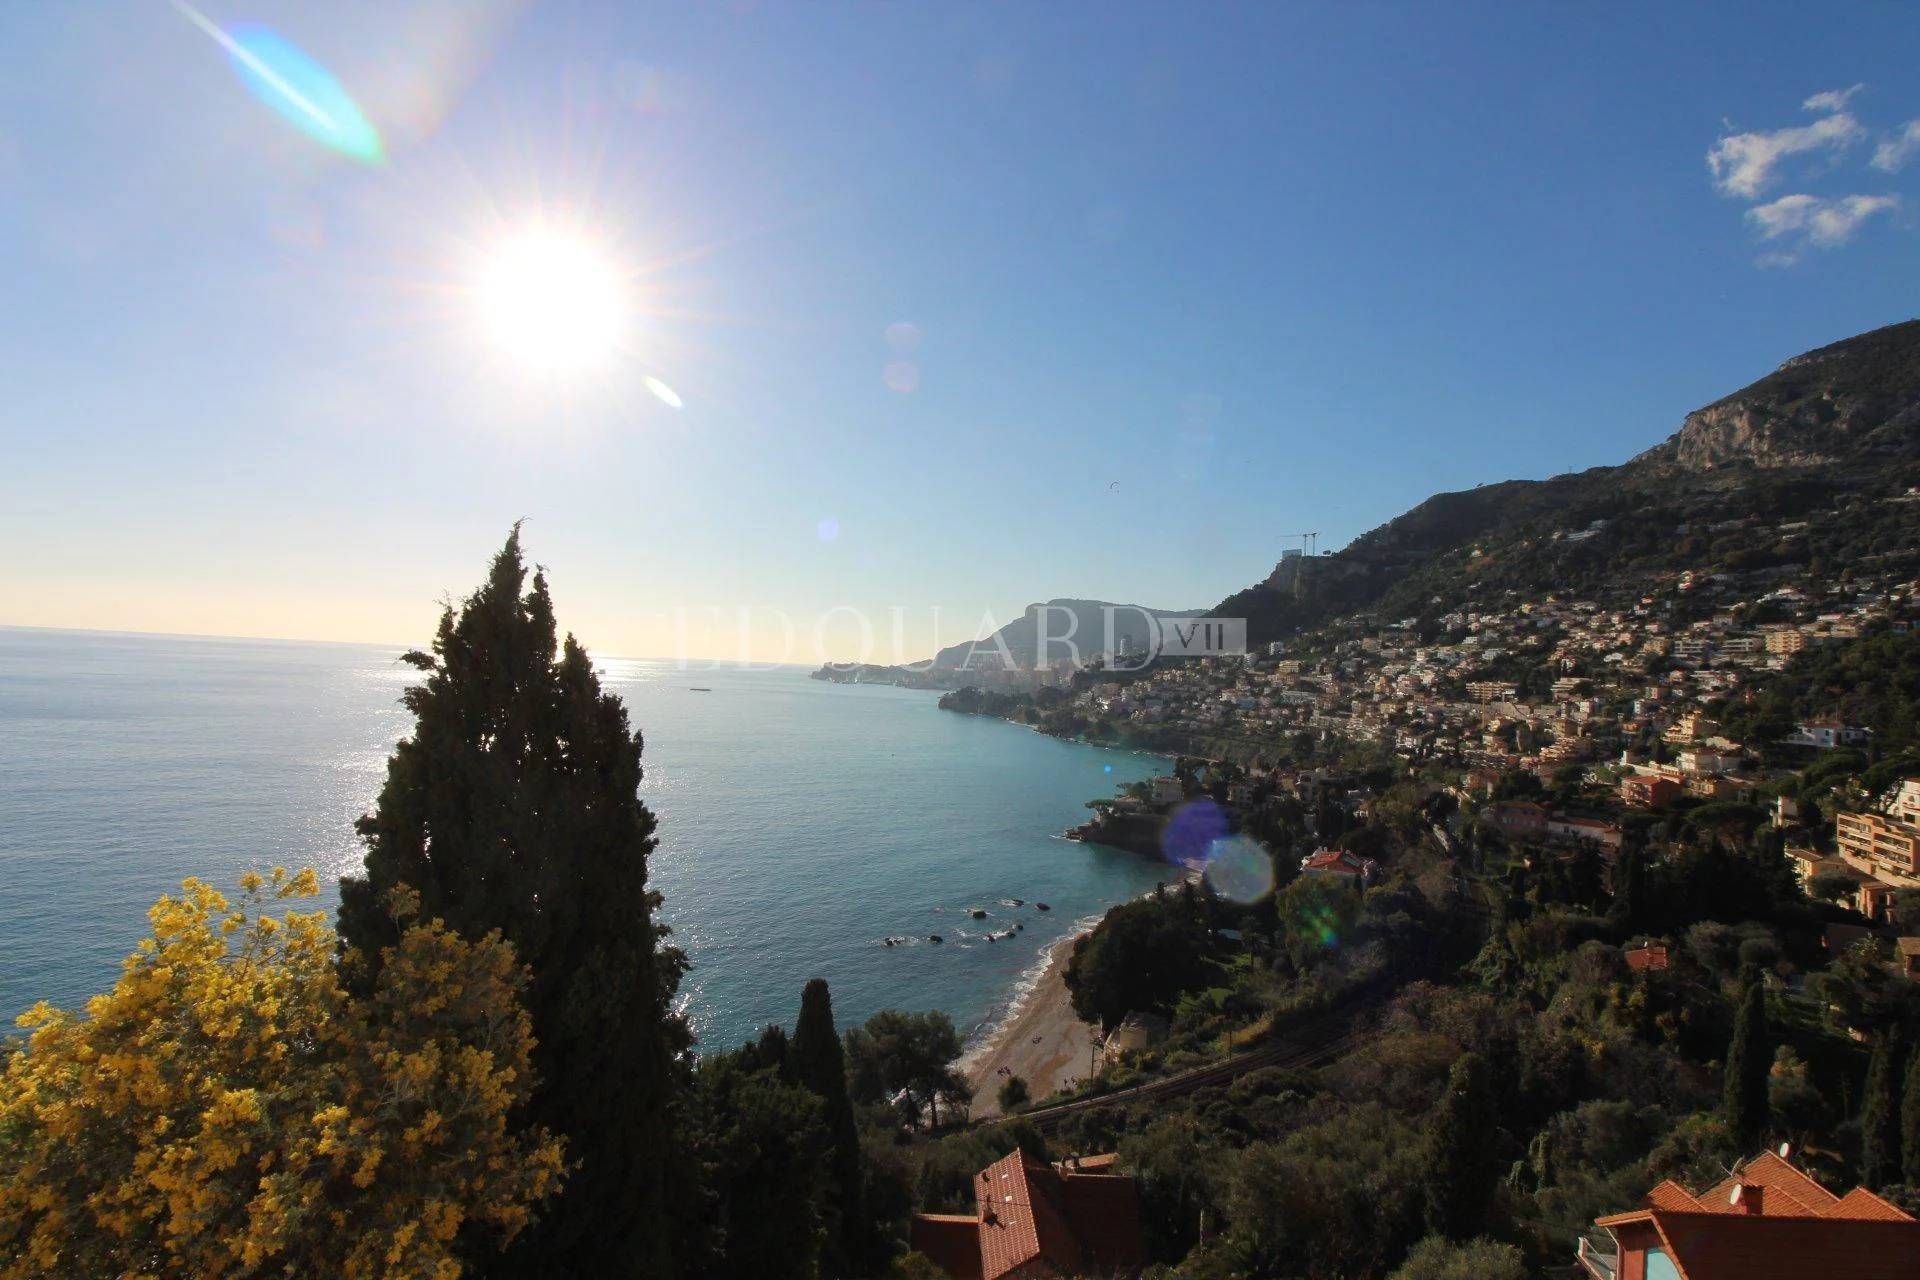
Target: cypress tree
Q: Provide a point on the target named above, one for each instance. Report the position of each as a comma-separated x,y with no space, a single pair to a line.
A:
1629,887
1462,1162
514,807
1880,1115
1910,1121
1743,1096
817,1061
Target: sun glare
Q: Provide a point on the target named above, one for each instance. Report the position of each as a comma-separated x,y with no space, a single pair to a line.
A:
552,301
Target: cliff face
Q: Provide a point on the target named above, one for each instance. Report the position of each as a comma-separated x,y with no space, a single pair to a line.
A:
1853,398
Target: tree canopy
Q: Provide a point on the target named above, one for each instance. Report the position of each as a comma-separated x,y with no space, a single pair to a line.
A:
908,1054
513,806
231,1109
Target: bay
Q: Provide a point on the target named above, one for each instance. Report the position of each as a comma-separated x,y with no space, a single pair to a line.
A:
801,823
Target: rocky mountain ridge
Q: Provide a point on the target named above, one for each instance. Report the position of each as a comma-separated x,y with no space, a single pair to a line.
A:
1836,426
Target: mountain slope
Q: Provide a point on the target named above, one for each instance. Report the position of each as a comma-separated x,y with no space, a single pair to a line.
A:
1853,399
1094,626
1825,433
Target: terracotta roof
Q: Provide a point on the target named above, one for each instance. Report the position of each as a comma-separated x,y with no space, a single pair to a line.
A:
1784,1226
1340,861
1788,1191
1863,1205
1641,959
1019,1221
1671,1195
1066,1220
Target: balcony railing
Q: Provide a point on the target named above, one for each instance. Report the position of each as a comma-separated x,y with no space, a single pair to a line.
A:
1599,1263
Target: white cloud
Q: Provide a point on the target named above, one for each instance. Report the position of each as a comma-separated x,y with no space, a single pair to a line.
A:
1893,153
1816,220
1832,99
1743,163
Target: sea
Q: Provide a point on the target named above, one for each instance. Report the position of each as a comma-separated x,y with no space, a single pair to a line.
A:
801,823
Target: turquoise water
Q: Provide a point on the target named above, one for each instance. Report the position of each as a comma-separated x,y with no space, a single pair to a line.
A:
801,823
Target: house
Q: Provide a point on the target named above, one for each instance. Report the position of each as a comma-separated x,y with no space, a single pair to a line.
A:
1167,789
1649,790
1906,804
1765,1221
1707,760
1339,862
1808,863
1786,811
1480,781
1519,818
1137,1033
1032,1219
1576,829
1825,735
1714,786
1907,956
1691,725
1648,957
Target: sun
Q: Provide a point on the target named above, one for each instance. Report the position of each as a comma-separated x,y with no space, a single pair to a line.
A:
552,300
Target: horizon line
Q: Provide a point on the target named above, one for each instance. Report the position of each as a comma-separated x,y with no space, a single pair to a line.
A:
360,644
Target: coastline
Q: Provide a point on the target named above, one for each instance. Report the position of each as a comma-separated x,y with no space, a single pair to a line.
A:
1038,1039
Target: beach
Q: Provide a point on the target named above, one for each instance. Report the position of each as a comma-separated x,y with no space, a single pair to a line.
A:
1042,1041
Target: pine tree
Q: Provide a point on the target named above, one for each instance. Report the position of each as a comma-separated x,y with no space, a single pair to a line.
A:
1880,1115
1743,1097
514,807
1462,1166
1910,1121
816,1060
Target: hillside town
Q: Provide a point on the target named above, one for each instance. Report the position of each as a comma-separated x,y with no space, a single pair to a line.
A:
1618,702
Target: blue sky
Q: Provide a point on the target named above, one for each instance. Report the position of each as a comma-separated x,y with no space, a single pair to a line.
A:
1180,280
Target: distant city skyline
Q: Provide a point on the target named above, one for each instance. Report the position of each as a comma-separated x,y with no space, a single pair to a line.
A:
878,312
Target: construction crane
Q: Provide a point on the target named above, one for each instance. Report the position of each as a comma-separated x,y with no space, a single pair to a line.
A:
1306,539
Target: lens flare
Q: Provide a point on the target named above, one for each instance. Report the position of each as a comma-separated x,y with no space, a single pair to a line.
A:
1192,830
300,90
1239,870
665,394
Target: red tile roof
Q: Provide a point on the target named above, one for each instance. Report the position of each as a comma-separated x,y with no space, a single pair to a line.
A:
1061,1216
1641,959
1671,1195
1783,1225
1339,861
1788,1191
1862,1204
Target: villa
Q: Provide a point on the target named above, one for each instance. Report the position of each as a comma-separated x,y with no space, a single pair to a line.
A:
1766,1221
1076,1217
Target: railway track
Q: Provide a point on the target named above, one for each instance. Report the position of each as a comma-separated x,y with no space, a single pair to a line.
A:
1306,1049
